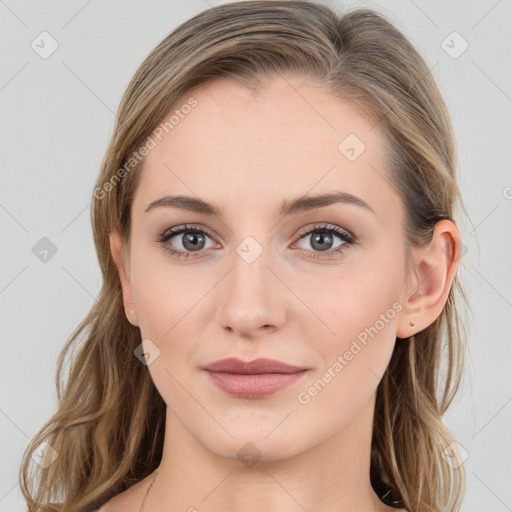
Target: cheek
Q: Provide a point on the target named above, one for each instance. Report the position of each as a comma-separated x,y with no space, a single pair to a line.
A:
358,310
165,300
354,359
347,300
163,293
169,313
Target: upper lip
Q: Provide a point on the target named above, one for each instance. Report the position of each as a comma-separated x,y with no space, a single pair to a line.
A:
258,366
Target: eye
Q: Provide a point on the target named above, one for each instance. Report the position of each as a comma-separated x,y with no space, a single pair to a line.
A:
322,239
189,239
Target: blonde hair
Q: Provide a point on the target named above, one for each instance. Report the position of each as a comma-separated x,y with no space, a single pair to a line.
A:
108,429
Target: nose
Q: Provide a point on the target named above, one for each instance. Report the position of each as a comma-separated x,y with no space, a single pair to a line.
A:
252,299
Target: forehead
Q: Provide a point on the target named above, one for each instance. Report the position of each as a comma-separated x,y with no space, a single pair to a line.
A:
291,138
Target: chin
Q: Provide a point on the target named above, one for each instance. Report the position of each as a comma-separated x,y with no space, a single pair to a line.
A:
251,451
260,442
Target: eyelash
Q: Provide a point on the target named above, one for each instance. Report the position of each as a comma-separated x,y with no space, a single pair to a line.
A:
345,236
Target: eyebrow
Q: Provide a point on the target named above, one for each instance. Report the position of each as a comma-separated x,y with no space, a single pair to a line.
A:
299,205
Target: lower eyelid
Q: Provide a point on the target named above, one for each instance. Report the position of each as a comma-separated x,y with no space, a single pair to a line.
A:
347,240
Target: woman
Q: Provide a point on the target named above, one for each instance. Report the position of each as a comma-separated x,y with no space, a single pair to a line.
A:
274,220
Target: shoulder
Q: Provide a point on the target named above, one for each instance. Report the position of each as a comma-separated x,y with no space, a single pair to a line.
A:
119,503
128,500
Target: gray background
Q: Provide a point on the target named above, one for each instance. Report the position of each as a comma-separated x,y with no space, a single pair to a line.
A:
56,118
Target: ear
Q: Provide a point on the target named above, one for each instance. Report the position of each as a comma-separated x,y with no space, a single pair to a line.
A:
433,273
116,247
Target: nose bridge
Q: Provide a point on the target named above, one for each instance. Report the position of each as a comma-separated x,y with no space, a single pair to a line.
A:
252,296
251,277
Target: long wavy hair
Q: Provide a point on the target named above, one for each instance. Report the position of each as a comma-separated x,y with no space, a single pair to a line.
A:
108,430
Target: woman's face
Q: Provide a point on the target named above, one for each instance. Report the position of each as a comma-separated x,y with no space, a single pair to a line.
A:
260,279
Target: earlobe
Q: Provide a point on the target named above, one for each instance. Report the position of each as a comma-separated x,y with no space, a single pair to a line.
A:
116,246
434,271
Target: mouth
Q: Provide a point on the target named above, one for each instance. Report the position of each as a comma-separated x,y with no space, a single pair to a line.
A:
252,380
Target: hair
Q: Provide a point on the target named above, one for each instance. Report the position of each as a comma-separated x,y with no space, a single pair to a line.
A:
108,429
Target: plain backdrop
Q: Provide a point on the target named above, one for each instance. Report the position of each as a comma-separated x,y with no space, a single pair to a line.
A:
57,113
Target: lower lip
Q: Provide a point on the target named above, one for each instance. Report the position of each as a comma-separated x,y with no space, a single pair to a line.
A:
254,386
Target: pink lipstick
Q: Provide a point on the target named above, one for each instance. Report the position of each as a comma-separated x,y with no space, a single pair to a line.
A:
255,379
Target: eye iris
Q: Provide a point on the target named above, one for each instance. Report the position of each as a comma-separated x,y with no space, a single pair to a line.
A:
195,239
319,240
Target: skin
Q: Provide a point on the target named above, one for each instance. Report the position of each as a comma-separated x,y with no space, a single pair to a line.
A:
246,154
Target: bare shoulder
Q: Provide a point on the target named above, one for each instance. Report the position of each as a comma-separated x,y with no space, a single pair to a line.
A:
129,500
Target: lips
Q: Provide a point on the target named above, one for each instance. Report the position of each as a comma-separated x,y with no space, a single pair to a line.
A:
256,367
255,379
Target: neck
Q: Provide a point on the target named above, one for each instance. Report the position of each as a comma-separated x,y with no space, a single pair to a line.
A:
333,476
